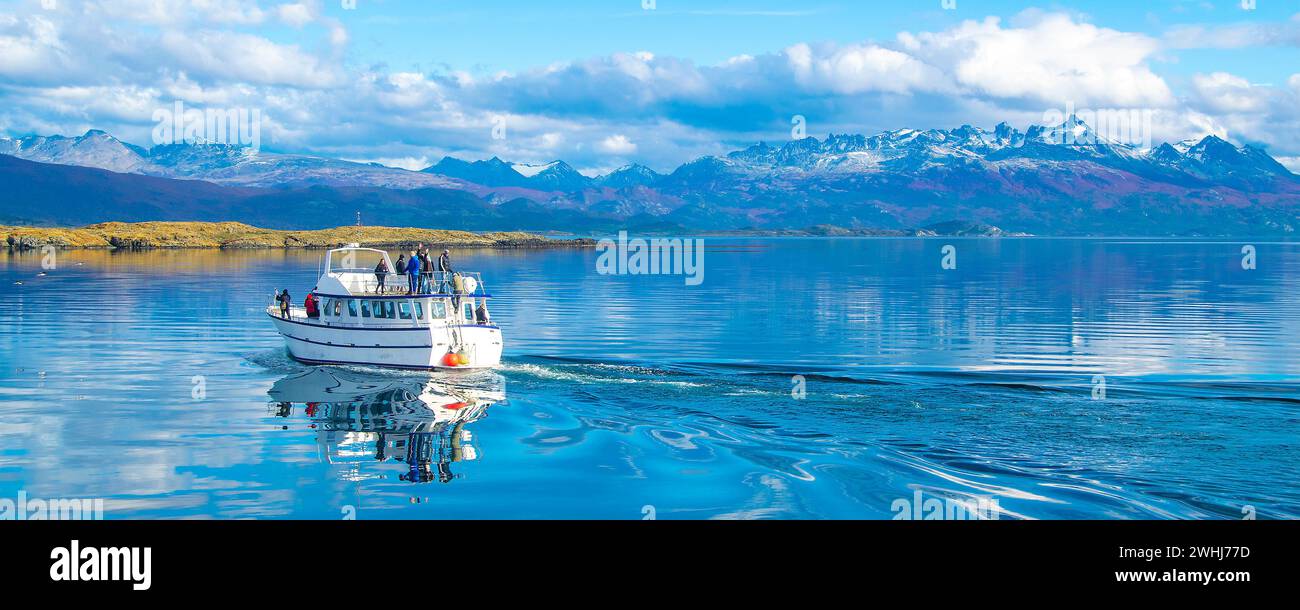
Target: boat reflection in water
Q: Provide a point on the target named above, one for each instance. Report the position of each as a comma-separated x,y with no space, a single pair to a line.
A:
418,420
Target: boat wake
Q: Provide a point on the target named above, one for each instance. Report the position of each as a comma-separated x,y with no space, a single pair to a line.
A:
860,445
1043,446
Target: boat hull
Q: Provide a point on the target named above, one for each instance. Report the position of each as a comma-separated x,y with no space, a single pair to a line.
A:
416,348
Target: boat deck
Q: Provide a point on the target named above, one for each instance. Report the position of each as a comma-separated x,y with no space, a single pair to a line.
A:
365,285
403,294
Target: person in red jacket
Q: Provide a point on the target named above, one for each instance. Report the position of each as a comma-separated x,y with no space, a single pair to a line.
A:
312,305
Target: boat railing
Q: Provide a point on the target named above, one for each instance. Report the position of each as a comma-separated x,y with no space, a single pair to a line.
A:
364,281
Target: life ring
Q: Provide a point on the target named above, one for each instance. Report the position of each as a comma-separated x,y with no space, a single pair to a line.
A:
471,285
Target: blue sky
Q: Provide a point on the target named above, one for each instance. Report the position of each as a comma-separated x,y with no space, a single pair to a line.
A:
604,83
501,35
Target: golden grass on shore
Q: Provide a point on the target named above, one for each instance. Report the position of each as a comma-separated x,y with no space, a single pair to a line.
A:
144,235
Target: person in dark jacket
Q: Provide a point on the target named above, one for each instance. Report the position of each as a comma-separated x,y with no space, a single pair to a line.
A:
401,264
413,274
426,267
444,267
284,299
381,272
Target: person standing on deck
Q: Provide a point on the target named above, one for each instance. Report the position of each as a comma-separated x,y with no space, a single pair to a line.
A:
381,272
312,306
284,303
426,266
413,273
444,266
400,264
418,255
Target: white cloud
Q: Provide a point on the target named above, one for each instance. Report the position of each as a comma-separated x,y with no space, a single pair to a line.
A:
414,164
176,12
338,35
1176,125
29,47
110,66
1259,114
297,14
235,57
1224,92
861,68
551,140
124,104
1235,35
1052,59
617,144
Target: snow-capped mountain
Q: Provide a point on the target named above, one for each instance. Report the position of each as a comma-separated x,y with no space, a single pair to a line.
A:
559,176
911,150
902,150
629,176
223,164
1055,179
1214,158
93,149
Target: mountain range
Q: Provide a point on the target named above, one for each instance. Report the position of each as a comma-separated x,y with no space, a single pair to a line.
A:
1050,180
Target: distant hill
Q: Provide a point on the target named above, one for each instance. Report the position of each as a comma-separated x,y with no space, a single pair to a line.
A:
43,194
238,235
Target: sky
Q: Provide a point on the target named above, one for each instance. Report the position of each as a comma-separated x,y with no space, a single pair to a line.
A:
601,84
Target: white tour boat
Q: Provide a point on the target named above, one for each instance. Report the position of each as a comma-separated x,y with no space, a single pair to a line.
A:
444,326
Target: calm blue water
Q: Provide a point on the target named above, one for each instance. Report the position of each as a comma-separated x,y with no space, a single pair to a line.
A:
153,380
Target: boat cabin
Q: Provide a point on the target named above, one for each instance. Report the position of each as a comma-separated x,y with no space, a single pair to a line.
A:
350,294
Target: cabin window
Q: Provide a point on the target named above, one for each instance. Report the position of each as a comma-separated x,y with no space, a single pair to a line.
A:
352,308
338,308
390,310
469,312
365,309
404,309
419,311
378,308
438,309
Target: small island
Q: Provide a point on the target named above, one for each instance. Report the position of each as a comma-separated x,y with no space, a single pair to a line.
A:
235,235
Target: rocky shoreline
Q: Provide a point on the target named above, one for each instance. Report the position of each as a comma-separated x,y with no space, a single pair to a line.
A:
234,235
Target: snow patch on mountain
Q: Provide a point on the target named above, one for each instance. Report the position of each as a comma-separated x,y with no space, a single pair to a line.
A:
528,171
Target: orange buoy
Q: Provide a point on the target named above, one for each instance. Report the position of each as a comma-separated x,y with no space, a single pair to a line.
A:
450,359
456,406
